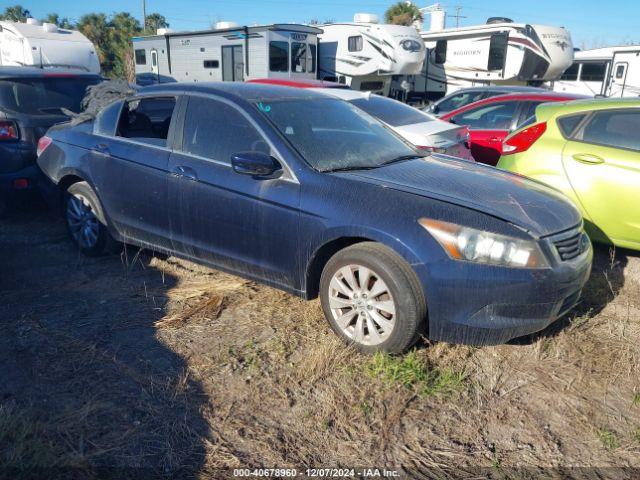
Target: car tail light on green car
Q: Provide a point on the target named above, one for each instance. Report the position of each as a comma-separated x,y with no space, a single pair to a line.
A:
522,141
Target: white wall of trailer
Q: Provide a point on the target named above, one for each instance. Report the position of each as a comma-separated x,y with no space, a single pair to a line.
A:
228,54
365,55
45,45
608,72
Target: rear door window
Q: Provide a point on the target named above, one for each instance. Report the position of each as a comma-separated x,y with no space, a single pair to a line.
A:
215,130
494,116
613,128
569,124
147,120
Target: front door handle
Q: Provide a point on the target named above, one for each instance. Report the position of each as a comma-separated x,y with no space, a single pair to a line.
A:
588,158
185,172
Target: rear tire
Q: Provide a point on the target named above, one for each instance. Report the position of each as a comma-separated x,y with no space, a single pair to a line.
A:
373,299
86,222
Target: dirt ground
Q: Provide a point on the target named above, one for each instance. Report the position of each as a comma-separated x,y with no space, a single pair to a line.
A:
131,365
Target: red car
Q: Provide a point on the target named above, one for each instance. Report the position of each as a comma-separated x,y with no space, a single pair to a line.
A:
492,119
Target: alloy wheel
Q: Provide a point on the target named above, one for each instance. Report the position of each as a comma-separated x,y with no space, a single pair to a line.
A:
83,223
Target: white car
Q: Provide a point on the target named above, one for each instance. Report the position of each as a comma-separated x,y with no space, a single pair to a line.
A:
419,128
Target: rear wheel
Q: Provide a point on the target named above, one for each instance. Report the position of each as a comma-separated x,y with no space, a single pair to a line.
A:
85,220
372,298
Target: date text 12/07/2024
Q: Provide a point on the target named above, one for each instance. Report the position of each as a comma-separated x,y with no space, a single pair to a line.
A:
316,473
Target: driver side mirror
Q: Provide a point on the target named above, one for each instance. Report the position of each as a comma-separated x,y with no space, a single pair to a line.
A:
256,164
434,108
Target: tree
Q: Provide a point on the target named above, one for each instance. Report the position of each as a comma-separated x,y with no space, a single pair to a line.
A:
95,27
15,14
402,13
60,22
154,22
123,27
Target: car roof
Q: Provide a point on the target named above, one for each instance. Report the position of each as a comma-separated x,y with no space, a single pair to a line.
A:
523,96
35,72
344,94
499,88
238,90
588,105
305,83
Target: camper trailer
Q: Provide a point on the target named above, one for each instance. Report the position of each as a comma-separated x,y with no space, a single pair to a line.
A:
228,53
607,72
365,54
45,45
500,52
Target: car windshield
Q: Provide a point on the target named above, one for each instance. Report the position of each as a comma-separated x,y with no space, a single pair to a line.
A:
43,96
391,111
331,134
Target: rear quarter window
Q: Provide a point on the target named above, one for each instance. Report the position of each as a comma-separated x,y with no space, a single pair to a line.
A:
568,124
107,119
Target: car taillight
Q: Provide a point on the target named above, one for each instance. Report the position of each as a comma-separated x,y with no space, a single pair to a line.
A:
522,140
8,130
43,143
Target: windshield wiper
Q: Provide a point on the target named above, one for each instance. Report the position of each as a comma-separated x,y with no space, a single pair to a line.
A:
350,168
402,158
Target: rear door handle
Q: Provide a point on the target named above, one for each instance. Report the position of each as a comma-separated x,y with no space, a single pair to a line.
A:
588,158
185,172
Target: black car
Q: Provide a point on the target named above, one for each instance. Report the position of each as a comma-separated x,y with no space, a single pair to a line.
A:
31,101
465,96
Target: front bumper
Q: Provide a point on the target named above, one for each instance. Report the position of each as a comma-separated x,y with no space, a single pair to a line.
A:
486,305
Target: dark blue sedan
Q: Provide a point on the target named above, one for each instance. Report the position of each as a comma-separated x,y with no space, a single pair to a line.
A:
309,194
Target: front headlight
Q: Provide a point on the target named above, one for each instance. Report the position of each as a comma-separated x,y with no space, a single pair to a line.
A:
472,245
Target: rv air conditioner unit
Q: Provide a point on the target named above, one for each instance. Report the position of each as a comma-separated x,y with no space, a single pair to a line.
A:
226,25
365,18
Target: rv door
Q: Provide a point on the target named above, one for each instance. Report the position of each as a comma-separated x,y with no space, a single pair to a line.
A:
232,63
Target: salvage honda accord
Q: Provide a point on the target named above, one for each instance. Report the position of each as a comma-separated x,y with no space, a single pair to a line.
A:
309,194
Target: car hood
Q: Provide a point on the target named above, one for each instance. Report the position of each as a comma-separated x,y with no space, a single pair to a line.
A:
527,204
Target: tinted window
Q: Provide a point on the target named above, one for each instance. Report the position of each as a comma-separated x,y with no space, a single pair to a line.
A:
211,64
617,128
298,57
498,50
571,73
141,57
355,43
496,116
593,72
105,123
458,100
390,111
333,134
528,111
313,49
216,130
147,120
44,96
568,124
441,51
279,56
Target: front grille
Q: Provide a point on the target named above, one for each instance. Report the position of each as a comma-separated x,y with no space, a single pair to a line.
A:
571,246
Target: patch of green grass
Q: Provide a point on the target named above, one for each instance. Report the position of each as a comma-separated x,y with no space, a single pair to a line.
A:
636,400
580,319
608,438
411,371
366,408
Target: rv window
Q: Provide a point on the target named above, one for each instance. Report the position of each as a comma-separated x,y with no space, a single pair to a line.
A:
211,64
620,71
571,73
298,57
279,56
441,52
614,128
141,57
498,50
355,43
312,67
370,86
216,130
569,123
147,120
593,72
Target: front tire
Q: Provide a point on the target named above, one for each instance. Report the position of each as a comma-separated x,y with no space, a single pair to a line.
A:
85,220
373,299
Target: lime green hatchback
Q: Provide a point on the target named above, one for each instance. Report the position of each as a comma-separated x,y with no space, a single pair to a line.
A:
590,151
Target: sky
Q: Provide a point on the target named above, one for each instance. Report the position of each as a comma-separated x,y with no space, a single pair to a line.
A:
591,24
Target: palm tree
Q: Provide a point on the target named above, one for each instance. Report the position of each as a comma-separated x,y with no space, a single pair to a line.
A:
15,14
95,27
56,20
402,13
155,21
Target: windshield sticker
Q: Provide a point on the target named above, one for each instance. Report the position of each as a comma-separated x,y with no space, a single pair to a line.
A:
264,108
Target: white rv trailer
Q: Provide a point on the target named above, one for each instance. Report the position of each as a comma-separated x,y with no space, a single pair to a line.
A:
607,72
228,53
365,54
45,45
498,53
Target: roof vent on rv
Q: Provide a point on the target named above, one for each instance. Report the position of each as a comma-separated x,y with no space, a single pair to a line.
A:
226,25
492,20
49,27
366,18
33,21
164,31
